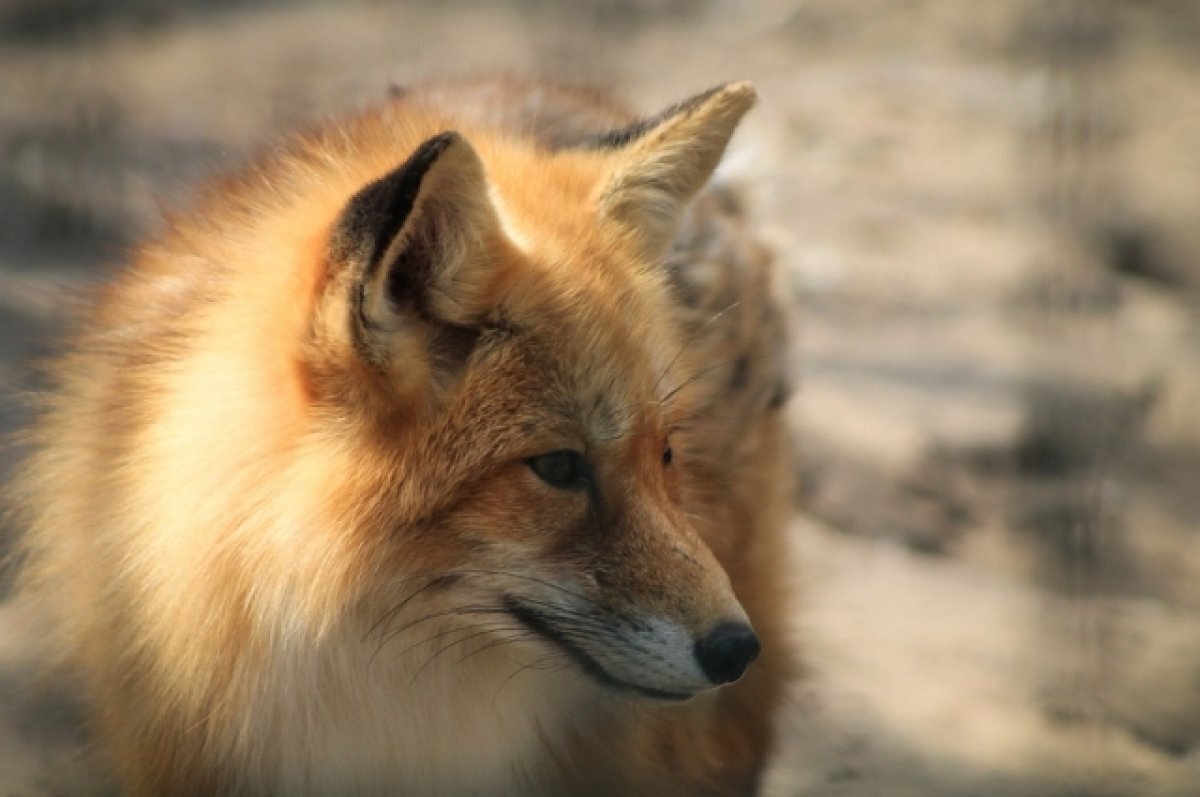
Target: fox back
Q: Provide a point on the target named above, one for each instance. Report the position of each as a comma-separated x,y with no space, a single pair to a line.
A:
436,453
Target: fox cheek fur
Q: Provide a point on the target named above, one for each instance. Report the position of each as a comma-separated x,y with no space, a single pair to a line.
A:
319,434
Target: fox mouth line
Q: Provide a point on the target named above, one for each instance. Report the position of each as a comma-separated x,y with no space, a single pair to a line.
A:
541,625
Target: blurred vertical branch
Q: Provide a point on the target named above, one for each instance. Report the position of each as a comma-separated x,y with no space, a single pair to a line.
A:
1076,44
1073,436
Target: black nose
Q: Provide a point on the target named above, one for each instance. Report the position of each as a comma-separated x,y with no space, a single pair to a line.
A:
726,652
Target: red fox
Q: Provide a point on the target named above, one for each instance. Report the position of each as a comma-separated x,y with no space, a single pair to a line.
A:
437,453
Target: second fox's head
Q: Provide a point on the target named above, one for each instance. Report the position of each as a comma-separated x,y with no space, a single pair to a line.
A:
491,348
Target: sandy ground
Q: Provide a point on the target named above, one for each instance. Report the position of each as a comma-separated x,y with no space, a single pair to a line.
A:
986,219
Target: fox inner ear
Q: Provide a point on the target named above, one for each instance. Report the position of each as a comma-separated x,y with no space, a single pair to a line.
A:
666,159
421,244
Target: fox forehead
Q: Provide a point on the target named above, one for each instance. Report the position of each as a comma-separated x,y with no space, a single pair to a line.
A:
598,309
597,374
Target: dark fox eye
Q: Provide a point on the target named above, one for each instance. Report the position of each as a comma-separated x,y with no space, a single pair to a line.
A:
564,469
668,455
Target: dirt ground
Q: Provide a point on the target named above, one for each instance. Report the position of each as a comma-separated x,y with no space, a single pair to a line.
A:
986,217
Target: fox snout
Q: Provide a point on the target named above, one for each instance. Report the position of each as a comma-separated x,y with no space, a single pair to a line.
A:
652,656
650,612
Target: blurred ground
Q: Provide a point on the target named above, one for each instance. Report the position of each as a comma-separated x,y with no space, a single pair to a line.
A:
987,218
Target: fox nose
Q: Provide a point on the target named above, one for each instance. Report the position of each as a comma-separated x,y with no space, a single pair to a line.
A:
726,651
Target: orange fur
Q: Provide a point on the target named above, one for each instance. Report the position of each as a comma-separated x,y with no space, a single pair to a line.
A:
281,505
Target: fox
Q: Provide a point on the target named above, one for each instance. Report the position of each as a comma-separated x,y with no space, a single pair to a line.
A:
438,451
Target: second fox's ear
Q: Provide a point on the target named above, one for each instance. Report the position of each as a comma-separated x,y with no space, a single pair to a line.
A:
421,244
666,159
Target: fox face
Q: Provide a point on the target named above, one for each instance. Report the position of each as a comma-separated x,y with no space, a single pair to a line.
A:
492,336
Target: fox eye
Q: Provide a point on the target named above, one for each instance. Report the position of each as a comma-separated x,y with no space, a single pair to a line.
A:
668,455
564,469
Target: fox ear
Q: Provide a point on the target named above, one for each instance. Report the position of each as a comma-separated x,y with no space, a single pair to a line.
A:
666,159
420,241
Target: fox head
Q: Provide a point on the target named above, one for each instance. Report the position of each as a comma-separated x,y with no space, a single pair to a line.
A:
493,348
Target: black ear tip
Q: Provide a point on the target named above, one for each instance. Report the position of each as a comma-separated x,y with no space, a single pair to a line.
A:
375,215
424,156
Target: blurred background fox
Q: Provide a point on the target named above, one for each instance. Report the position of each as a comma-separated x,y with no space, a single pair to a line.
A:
438,452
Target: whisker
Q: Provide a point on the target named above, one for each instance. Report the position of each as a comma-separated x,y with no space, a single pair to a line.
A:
458,629
578,631
538,664
463,611
521,634
444,648
627,411
392,612
691,338
694,377
581,619
532,579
